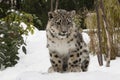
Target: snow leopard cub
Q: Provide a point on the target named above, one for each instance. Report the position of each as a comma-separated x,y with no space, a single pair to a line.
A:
68,52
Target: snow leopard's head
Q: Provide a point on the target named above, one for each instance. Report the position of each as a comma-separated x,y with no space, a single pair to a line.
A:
61,22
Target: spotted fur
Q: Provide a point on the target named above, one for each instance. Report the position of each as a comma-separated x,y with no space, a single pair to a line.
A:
68,52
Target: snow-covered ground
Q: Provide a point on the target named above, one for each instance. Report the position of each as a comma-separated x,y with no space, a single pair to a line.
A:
34,65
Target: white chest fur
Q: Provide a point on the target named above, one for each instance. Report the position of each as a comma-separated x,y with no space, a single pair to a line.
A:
61,46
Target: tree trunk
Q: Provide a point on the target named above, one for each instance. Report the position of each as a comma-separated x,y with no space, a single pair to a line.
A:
107,34
57,2
99,52
51,5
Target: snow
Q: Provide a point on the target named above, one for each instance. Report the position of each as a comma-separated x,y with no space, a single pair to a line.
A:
86,37
34,65
23,25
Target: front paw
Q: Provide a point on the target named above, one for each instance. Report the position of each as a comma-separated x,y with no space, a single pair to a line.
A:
51,70
74,69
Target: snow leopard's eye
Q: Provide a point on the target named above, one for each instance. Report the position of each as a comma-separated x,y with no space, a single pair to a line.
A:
58,22
69,21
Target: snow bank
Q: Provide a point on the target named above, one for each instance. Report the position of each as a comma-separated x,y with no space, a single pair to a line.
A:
68,76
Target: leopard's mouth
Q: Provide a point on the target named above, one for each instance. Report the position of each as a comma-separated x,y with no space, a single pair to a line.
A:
63,35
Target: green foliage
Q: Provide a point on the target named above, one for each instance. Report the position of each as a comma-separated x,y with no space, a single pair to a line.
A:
3,9
80,21
39,9
113,12
11,38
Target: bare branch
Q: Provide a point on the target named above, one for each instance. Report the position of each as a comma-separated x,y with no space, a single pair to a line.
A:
57,2
51,5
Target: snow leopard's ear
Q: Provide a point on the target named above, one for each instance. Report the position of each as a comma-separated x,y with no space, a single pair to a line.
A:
51,15
72,13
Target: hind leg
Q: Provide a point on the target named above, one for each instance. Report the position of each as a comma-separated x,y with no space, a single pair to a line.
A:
84,65
85,60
